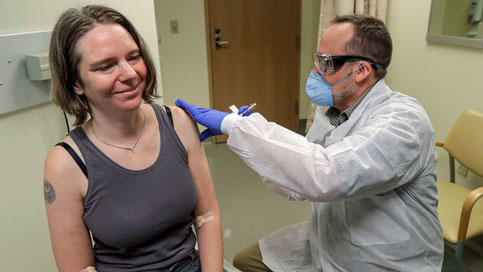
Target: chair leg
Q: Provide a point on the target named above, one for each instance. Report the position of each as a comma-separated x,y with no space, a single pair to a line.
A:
459,249
451,169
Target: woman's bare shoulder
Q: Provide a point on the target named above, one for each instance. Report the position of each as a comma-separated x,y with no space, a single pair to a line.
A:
61,167
185,126
182,119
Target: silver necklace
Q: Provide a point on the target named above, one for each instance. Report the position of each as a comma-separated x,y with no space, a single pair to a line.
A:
122,147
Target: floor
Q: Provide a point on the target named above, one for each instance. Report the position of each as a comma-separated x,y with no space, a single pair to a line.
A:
472,254
250,211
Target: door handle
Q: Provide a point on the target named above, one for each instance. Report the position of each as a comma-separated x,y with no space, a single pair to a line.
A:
218,41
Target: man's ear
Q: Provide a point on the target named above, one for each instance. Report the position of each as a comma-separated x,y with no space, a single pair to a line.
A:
363,73
78,89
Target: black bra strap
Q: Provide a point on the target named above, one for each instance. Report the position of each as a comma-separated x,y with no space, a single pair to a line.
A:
74,155
168,111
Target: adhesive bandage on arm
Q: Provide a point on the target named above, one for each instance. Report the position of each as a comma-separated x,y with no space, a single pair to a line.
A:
203,219
89,269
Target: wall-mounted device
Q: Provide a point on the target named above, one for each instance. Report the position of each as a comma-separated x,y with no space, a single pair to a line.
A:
17,90
38,66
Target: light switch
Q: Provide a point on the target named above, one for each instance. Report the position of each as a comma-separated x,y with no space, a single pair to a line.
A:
173,25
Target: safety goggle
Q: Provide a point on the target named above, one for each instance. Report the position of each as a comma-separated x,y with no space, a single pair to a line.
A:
325,63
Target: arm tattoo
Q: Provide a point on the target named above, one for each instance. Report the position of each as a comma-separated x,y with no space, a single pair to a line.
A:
49,192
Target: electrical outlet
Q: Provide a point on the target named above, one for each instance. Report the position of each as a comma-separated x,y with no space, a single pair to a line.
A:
173,25
462,171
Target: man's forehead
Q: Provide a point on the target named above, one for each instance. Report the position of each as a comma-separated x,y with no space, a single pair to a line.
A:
335,37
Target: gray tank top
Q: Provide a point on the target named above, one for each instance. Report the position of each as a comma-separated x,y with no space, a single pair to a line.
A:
140,220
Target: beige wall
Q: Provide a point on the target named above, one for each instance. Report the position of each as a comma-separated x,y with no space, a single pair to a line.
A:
183,56
445,79
27,135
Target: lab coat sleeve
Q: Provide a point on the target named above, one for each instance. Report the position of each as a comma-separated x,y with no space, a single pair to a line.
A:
388,151
282,190
285,158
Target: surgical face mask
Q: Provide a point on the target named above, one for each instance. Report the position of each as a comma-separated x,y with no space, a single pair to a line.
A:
319,91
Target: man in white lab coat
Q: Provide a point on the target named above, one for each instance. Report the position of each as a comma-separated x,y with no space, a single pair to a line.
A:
368,164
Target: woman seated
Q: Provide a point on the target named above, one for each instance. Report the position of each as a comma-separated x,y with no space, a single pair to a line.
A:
133,174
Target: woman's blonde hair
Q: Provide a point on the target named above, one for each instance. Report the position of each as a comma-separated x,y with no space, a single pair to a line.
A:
72,25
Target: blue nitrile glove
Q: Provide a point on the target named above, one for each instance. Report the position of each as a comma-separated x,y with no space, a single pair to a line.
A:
207,117
242,109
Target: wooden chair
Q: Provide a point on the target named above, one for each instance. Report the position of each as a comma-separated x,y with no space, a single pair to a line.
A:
459,212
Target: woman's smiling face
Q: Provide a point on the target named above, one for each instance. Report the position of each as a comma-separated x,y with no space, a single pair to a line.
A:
111,69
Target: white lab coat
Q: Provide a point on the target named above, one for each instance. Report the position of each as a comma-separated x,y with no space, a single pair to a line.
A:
371,182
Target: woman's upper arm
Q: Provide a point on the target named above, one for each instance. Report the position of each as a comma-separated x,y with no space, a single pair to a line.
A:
69,236
188,133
